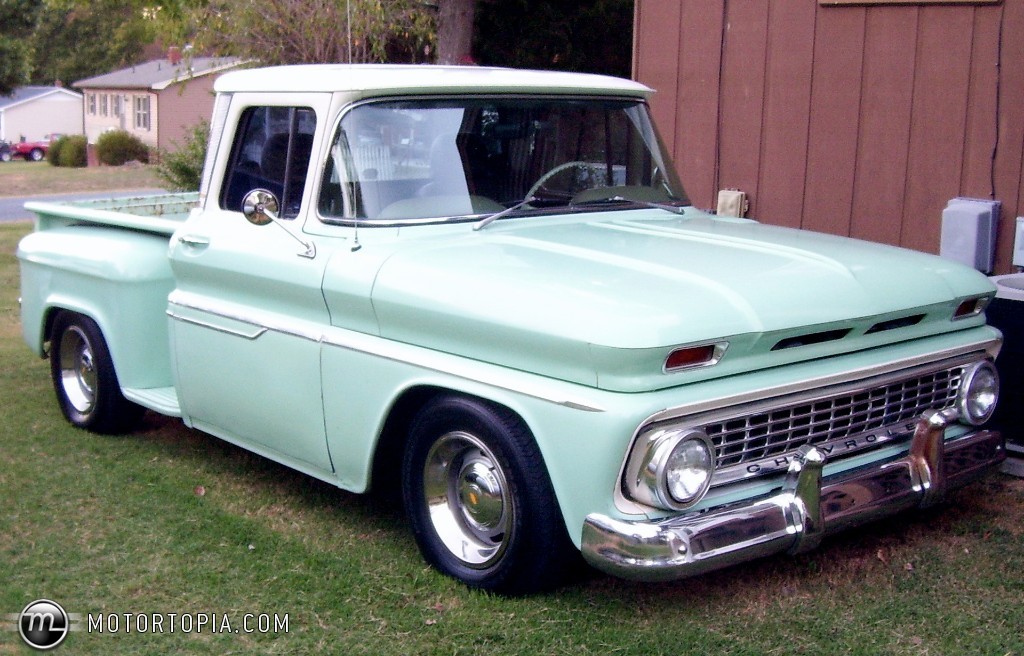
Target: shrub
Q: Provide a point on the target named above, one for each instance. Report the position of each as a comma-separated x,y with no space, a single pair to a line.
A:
118,146
72,151
53,153
182,168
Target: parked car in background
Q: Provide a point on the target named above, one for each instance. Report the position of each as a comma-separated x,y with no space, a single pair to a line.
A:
5,152
34,151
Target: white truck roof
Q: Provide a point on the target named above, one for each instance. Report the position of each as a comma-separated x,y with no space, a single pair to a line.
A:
391,79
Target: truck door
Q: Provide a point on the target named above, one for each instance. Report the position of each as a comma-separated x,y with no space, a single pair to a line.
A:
247,312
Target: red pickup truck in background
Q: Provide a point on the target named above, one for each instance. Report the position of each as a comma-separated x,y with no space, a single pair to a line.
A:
34,151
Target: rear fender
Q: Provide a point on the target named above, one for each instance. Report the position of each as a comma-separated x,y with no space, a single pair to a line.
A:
118,278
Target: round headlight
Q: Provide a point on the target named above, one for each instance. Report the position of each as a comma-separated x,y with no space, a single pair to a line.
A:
687,471
672,470
979,392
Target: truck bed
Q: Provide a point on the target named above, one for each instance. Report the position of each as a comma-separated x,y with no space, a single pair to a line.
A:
159,214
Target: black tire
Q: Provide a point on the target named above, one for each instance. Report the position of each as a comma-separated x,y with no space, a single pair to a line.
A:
84,379
495,524
36,155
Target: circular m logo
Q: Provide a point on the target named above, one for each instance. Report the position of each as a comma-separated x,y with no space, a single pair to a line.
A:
43,624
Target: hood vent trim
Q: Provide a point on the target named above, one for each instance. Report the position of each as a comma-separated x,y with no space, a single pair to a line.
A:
893,324
812,338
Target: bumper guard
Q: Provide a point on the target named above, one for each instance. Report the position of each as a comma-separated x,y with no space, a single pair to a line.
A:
796,518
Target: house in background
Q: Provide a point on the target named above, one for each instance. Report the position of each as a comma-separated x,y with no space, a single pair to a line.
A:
36,111
855,117
158,101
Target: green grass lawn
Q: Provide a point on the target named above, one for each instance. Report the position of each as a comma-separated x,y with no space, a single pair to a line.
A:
21,178
168,520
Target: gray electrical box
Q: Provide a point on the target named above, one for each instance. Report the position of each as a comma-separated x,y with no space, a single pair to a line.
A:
969,232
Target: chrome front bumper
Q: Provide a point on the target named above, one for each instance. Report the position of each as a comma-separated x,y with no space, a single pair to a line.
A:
796,518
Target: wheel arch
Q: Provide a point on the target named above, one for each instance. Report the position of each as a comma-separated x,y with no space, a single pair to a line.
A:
394,433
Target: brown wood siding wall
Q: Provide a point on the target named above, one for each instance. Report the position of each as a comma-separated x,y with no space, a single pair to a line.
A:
181,107
854,120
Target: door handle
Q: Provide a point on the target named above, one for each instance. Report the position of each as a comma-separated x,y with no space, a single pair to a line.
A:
194,241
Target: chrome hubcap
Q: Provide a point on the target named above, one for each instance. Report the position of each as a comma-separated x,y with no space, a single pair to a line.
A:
78,375
467,499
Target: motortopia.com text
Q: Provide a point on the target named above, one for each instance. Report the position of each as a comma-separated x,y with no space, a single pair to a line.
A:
185,623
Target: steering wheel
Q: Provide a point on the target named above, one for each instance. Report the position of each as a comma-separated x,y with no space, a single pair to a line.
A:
553,172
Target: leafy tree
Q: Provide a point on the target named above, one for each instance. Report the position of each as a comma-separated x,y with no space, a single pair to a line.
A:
76,39
17,21
274,32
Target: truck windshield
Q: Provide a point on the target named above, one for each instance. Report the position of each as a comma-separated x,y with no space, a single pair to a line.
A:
450,159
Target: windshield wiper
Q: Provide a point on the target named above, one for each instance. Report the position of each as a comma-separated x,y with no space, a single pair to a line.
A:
675,209
488,220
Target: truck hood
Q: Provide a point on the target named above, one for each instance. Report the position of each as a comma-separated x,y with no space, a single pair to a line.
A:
601,301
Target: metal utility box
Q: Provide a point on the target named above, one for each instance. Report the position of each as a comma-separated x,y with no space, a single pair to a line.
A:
969,232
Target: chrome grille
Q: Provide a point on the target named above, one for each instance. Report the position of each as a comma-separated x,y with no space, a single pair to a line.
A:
782,429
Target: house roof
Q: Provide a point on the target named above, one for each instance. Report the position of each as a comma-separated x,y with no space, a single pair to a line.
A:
158,74
28,94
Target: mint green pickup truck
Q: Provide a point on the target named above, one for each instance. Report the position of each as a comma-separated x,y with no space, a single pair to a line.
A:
486,288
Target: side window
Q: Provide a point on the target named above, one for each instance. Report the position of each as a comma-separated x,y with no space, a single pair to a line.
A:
271,151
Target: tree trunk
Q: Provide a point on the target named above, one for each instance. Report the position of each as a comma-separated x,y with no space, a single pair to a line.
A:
455,31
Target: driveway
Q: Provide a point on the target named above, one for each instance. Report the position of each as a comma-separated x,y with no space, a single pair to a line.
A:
12,208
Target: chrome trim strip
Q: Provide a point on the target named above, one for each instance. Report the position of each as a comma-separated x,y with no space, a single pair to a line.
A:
255,333
189,302
796,517
380,347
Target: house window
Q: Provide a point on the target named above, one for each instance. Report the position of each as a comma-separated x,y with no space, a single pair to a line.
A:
104,104
142,112
116,105
92,104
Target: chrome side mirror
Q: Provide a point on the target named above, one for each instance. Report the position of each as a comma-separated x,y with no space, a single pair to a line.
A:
260,208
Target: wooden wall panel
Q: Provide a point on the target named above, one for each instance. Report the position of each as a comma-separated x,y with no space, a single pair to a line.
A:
786,111
834,120
881,176
937,124
696,146
981,119
1009,182
860,120
742,97
654,59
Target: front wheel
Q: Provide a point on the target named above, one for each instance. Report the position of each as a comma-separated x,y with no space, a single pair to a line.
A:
479,499
36,155
84,379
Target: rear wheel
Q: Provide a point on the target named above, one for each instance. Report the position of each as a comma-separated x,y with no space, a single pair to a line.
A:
84,379
36,154
479,498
